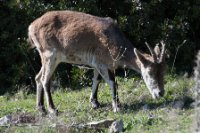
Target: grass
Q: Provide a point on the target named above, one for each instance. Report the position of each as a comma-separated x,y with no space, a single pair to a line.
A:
139,112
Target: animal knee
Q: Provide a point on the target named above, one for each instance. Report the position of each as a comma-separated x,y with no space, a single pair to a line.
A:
37,79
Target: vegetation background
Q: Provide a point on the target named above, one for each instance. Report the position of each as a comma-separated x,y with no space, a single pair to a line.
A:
140,20
175,22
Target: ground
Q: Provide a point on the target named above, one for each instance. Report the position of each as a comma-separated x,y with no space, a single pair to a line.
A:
139,112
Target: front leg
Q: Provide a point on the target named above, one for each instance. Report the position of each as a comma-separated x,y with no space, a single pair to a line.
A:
109,77
113,87
93,97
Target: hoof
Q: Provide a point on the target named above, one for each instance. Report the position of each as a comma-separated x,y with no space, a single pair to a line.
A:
95,104
42,111
116,109
116,106
53,113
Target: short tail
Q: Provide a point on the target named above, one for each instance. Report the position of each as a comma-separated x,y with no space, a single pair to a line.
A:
29,40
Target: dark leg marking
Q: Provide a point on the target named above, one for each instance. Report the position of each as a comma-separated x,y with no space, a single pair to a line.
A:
93,98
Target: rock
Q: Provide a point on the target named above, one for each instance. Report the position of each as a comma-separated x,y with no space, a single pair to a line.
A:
99,124
178,104
116,127
193,104
5,120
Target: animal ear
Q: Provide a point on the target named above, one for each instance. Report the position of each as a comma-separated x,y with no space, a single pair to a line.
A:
157,50
140,56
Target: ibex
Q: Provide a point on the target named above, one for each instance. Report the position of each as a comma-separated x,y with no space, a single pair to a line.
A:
83,39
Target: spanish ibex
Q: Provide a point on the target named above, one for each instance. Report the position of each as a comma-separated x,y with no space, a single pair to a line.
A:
83,39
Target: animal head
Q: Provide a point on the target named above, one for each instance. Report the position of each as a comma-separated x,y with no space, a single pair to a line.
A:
152,69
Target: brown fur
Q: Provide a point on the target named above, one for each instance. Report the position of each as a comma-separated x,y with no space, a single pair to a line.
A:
79,38
65,30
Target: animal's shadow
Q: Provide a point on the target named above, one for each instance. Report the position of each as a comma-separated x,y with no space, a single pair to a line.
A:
145,105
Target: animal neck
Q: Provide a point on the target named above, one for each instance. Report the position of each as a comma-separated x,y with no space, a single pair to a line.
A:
135,64
130,61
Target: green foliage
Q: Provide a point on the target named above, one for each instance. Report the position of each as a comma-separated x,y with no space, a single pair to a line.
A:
151,21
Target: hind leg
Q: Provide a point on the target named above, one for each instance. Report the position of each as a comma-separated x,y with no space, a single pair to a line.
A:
109,77
49,65
40,93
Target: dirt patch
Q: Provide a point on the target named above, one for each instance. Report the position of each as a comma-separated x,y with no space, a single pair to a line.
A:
24,118
38,122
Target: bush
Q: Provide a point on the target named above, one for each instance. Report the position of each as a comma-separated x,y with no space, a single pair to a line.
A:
151,21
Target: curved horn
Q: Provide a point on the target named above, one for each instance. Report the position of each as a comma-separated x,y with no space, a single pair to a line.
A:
162,55
152,52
